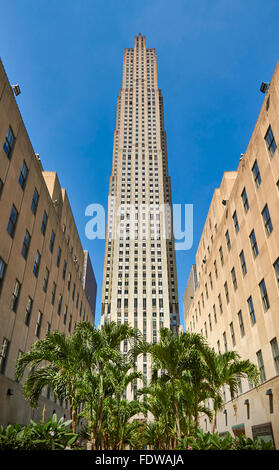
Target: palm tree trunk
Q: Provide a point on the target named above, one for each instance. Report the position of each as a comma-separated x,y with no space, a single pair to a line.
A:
214,422
177,419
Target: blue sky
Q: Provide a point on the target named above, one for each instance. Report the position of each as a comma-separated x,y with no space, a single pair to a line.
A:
67,57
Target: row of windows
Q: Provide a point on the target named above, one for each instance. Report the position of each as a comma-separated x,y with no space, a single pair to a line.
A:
271,147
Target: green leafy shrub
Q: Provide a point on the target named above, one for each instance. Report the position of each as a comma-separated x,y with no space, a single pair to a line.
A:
208,441
52,435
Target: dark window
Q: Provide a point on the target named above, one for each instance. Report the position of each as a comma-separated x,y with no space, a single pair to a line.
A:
241,324
39,324
64,269
221,255
53,292
256,174
270,141
275,354
264,295
23,175
12,222
46,278
26,244
28,311
276,269
15,295
254,245
1,187
35,201
261,365
234,281
251,310
245,200
243,263
227,292
4,355
228,240
44,223
58,257
59,304
232,333
2,272
37,264
267,220
235,221
9,143
52,240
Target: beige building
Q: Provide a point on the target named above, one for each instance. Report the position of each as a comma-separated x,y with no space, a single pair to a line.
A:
139,283
236,303
43,268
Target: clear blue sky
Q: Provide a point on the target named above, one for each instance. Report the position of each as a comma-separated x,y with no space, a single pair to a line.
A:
67,57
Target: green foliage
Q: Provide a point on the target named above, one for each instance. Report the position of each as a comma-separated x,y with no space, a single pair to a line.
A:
208,441
52,435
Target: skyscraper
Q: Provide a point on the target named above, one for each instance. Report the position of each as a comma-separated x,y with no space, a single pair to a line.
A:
139,282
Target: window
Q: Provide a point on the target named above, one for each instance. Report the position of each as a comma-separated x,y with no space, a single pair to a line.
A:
235,221
234,281
64,270
264,295
243,263
276,269
9,143
69,280
59,304
267,220
23,175
256,174
52,240
221,255
46,278
275,354
37,264
1,186
270,141
44,223
2,272
253,242
53,292
35,201
28,311
220,303
15,295
228,240
4,355
58,257
26,244
225,341
245,200
12,222
232,333
227,292
251,310
261,365
241,324
215,269
39,324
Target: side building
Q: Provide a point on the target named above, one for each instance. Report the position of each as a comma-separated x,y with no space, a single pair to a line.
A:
45,282
236,303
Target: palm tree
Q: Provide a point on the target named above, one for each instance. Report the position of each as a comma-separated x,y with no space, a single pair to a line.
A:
61,371
101,353
173,355
225,370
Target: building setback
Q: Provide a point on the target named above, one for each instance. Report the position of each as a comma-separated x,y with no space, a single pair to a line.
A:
139,282
43,283
236,303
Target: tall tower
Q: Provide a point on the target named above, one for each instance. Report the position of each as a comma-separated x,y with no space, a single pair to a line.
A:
139,282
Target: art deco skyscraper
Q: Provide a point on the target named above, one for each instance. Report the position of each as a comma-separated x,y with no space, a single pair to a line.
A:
139,283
